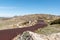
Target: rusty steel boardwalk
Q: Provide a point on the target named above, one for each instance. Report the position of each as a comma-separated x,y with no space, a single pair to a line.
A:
9,34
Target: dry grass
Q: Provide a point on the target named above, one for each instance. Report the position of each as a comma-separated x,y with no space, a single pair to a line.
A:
49,29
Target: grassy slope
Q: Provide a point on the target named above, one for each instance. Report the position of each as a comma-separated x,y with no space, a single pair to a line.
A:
55,27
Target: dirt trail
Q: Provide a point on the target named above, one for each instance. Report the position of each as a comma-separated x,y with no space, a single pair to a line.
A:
9,34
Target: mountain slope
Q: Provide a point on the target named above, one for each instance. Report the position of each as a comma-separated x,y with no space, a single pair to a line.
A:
25,20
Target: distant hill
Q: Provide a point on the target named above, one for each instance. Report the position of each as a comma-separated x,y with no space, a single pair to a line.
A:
13,22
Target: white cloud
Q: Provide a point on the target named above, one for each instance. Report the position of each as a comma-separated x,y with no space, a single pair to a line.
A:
7,7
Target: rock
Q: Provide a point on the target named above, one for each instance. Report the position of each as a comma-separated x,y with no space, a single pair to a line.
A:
28,35
54,36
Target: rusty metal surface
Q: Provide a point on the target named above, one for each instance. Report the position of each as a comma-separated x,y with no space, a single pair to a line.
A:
9,34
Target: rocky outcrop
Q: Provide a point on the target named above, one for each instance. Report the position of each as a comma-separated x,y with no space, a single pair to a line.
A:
34,36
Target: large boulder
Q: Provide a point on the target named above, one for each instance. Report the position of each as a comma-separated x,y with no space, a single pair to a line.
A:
28,35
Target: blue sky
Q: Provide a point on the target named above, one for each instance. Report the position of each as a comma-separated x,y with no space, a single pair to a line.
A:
10,8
